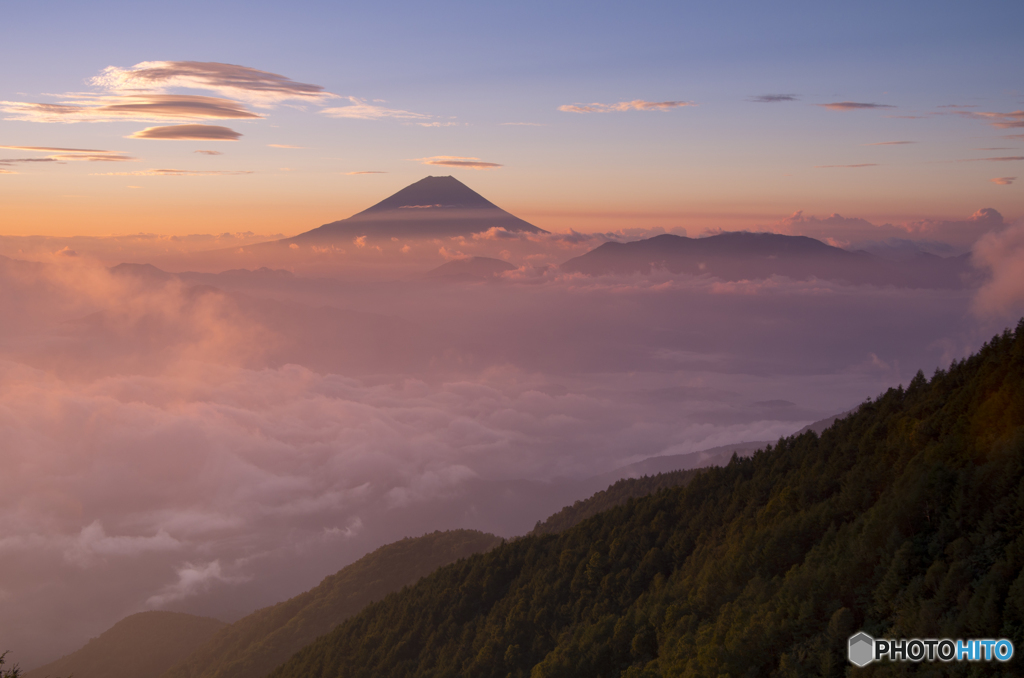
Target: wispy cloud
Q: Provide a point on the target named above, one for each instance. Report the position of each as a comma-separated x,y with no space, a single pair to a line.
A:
523,124
362,110
635,105
67,154
188,132
439,124
1001,120
4,171
54,149
7,162
457,161
283,146
242,82
1003,181
1005,158
890,143
366,172
772,98
173,173
142,107
863,164
210,152
852,106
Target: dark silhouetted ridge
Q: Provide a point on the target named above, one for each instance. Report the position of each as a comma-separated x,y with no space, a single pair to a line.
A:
756,256
143,645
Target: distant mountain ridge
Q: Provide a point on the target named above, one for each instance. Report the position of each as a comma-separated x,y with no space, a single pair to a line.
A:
431,207
754,256
142,645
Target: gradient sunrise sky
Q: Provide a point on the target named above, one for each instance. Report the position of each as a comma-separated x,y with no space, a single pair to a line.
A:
269,117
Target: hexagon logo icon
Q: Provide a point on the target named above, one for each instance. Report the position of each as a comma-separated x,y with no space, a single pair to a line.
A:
862,649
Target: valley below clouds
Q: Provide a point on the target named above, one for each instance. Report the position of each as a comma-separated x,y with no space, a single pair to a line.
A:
214,443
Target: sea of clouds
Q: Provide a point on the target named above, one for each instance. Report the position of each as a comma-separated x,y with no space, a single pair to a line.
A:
214,444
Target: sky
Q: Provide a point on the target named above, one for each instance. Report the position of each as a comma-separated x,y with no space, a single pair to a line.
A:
211,437
583,116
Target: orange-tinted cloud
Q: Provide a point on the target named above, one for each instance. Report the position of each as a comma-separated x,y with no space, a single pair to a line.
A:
188,132
635,105
361,110
173,173
456,161
1004,120
366,172
283,146
67,154
143,107
232,80
1003,181
852,106
210,152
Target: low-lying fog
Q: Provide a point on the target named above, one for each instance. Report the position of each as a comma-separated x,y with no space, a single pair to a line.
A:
216,443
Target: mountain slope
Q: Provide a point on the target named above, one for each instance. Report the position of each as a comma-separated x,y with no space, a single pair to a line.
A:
753,256
618,493
905,519
431,207
143,645
254,645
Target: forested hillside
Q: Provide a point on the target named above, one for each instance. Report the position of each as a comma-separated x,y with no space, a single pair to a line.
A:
254,645
619,493
905,519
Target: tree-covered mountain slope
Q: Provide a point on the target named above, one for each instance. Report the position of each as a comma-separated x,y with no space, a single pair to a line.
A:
905,519
142,645
618,493
254,645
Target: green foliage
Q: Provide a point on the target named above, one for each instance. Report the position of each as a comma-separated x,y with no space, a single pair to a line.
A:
905,519
619,493
142,645
14,672
254,645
